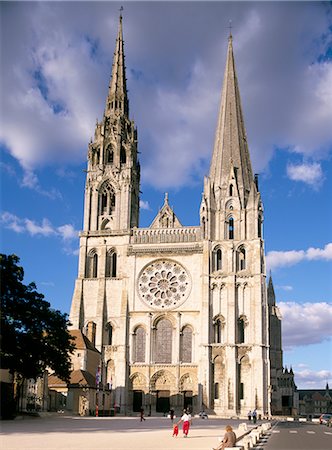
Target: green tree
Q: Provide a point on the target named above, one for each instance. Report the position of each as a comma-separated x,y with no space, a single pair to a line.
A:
33,335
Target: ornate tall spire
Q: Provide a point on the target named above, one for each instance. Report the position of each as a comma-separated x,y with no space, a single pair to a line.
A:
117,99
230,147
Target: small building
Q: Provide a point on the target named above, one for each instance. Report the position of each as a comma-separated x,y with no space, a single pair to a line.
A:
86,393
314,402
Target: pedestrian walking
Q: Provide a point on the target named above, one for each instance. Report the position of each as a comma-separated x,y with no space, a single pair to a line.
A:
186,419
171,414
142,414
249,416
254,416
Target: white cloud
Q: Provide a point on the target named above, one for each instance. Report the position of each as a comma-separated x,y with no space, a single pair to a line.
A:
310,379
46,229
308,173
67,232
144,205
277,259
305,324
56,78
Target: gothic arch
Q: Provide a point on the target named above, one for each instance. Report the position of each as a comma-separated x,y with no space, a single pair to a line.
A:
162,380
138,381
219,328
106,199
188,382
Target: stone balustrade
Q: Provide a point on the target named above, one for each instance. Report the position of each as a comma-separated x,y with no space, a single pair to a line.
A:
165,235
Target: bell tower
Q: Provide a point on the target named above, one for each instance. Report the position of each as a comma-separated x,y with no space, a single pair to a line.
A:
113,174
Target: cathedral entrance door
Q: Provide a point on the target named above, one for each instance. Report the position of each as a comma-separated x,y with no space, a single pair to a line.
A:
188,399
163,404
137,400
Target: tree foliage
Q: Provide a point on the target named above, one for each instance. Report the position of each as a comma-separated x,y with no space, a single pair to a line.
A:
33,335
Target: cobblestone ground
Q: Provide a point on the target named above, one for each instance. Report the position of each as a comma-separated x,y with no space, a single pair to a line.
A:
115,433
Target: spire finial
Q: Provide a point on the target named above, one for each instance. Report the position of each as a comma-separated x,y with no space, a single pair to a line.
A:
121,9
230,29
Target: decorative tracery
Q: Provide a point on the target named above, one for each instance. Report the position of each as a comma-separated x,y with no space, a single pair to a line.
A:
164,284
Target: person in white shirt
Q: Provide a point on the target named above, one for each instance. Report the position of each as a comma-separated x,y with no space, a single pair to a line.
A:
186,419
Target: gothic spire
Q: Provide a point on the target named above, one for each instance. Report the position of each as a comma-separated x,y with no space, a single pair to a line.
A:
117,99
230,147
271,298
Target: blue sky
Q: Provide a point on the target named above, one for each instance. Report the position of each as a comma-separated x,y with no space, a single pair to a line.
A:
56,61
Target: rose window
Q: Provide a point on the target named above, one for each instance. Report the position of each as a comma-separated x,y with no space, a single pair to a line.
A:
164,284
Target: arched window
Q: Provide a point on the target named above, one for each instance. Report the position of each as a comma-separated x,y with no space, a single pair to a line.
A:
91,266
217,259
241,255
109,155
218,331
139,345
90,332
259,226
111,260
163,342
231,190
109,337
106,199
231,228
240,330
186,345
123,157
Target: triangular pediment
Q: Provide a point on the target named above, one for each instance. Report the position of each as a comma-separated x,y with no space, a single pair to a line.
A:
166,217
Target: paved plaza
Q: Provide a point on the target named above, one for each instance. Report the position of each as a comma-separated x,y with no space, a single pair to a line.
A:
116,433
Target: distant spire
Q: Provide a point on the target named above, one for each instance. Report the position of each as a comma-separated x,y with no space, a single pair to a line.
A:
230,147
271,297
117,99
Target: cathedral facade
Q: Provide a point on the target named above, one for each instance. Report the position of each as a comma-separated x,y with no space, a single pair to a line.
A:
180,314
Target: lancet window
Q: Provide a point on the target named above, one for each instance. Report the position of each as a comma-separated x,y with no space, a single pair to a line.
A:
163,342
106,200
109,155
123,157
217,259
219,330
231,228
139,343
111,262
91,267
186,345
241,259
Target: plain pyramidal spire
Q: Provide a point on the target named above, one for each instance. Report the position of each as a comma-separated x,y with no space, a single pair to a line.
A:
117,99
230,146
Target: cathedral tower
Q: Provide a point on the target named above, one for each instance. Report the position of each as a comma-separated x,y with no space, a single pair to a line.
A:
231,219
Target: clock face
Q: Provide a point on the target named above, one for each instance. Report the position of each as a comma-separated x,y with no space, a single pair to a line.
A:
164,284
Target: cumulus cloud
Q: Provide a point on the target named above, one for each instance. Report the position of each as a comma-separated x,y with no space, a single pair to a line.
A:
308,173
304,324
144,205
45,229
56,78
277,259
310,379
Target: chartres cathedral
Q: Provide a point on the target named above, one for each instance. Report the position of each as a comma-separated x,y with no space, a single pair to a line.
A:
181,315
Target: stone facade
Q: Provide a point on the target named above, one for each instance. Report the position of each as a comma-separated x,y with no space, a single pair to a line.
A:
179,314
